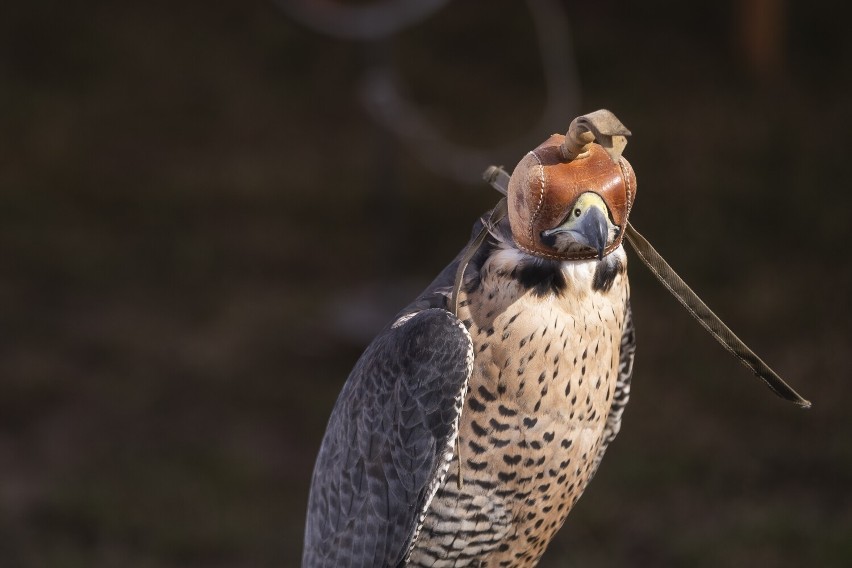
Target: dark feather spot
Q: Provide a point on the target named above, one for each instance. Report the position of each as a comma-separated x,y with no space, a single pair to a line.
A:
506,477
542,277
477,429
487,485
506,411
486,394
605,273
512,460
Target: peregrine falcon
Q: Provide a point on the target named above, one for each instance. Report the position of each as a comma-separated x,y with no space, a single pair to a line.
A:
464,439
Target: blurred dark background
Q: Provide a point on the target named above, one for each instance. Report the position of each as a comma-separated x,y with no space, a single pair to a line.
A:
206,208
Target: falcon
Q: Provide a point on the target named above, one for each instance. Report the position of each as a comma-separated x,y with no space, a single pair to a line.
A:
473,422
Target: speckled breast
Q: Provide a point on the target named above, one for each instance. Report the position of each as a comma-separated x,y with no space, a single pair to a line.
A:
544,374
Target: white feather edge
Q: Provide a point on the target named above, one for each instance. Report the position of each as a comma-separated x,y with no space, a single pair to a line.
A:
449,448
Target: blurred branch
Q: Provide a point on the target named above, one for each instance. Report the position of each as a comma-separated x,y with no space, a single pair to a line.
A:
382,99
380,95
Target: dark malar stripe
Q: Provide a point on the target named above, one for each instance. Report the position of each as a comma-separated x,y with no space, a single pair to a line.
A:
542,277
605,273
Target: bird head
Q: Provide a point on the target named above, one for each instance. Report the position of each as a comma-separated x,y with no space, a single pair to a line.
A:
569,199
587,226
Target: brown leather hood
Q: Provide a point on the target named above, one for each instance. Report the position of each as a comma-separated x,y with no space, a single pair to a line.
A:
544,187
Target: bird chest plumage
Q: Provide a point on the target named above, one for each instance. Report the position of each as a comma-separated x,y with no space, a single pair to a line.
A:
546,364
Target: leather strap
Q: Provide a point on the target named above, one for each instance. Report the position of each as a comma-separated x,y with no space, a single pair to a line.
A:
498,178
708,320
497,214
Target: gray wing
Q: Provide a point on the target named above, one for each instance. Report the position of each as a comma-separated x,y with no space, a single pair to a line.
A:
388,443
622,385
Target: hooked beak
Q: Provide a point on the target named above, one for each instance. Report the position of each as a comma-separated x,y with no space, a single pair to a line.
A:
590,230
